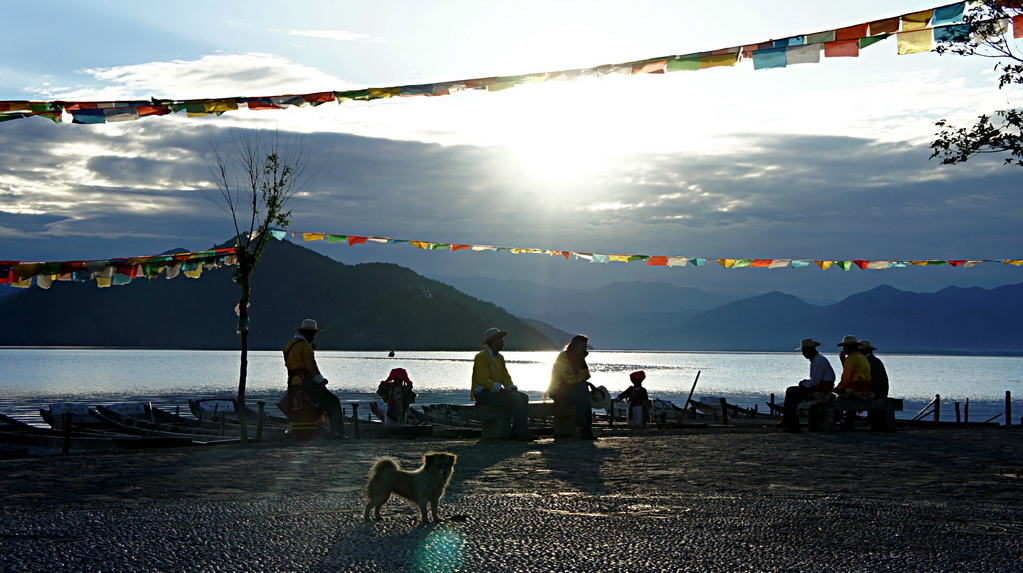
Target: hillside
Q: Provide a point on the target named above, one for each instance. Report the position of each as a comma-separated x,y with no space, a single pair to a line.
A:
953,320
373,306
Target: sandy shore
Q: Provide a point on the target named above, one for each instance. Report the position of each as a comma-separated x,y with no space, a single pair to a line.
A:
715,499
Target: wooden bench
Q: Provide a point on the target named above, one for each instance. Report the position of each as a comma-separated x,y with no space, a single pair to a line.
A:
495,421
822,417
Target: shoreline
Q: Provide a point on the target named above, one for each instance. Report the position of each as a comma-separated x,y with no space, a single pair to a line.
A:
696,499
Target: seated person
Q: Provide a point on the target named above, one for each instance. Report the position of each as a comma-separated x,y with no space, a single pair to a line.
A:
570,384
492,384
397,394
822,379
638,401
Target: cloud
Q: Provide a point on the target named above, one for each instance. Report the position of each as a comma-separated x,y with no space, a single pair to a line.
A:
211,76
339,35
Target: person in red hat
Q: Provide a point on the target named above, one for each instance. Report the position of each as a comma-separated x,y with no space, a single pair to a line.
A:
638,400
397,394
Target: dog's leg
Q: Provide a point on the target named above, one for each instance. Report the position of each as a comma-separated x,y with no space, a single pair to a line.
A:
422,511
433,509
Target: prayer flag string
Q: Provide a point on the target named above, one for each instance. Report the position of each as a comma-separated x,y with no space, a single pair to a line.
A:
915,32
113,272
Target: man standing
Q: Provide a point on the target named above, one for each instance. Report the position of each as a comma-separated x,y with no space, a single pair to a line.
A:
300,360
822,379
493,386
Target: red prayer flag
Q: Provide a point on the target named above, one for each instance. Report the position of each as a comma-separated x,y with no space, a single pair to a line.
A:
1017,26
256,104
355,240
861,263
761,263
956,263
657,261
460,247
851,33
321,97
842,49
889,26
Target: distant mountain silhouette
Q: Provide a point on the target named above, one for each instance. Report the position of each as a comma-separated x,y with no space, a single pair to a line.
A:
526,298
374,306
953,320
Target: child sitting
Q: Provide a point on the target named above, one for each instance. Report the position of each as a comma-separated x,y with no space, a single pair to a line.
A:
397,394
638,401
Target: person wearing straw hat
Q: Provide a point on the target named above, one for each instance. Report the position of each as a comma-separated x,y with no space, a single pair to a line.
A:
300,360
855,368
492,384
822,379
570,383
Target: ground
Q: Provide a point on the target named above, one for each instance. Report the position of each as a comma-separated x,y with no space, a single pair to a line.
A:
714,499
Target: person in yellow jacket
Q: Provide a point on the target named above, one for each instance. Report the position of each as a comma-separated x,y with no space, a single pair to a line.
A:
492,384
855,381
300,360
570,383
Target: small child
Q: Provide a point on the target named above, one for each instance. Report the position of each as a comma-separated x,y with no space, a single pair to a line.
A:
638,400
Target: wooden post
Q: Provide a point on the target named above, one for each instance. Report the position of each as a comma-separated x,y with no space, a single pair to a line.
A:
67,433
1008,408
355,419
259,421
724,412
611,414
957,412
966,412
691,390
937,407
772,410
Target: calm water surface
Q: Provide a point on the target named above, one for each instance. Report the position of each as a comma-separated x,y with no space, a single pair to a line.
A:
31,378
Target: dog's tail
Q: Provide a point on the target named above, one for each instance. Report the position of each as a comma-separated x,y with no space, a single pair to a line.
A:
383,465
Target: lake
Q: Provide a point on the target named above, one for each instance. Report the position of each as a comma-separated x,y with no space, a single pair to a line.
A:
31,378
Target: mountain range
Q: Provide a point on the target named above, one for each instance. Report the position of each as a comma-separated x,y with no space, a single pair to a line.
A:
621,316
373,306
382,306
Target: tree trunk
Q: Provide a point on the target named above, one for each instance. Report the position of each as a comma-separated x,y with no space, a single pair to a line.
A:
243,330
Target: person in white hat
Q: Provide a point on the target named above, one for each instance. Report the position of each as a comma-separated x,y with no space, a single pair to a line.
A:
570,383
822,379
492,384
300,360
855,368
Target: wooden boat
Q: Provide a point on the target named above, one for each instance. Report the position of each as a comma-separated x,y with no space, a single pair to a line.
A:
20,439
127,425
217,409
146,416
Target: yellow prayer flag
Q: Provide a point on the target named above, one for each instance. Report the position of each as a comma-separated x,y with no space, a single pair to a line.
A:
220,106
716,60
192,274
313,236
727,263
824,265
619,258
914,42
916,20
1016,262
420,244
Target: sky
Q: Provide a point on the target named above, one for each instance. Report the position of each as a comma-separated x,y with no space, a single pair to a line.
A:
815,161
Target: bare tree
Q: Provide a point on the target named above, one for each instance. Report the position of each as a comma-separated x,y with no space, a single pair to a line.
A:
258,176
983,34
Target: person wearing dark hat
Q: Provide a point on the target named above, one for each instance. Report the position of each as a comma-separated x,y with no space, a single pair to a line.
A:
638,400
878,384
822,379
570,383
492,384
300,360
